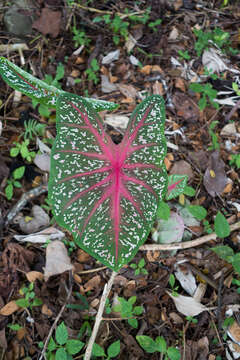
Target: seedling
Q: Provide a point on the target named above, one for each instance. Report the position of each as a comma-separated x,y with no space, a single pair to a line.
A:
215,144
62,347
112,351
33,128
226,253
184,55
235,160
139,268
80,37
208,94
171,282
128,311
237,283
92,71
154,24
191,319
22,149
158,345
13,181
30,300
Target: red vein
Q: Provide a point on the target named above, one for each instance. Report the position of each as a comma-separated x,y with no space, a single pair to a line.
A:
33,87
93,155
140,182
91,172
171,187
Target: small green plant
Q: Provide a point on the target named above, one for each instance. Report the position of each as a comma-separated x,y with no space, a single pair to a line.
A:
128,311
29,300
13,181
22,149
184,55
112,351
117,25
207,227
226,253
139,268
208,94
80,37
33,128
236,88
71,246
174,288
49,80
92,71
153,25
191,319
215,144
15,327
237,283
62,347
221,226
199,212
158,345
235,160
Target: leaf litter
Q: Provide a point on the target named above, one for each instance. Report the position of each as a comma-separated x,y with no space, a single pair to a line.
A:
169,75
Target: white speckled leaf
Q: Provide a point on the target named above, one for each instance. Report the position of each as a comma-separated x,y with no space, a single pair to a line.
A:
107,195
37,89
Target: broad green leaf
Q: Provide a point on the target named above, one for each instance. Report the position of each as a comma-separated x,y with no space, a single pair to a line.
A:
133,323
18,173
39,90
173,353
114,349
97,350
199,212
61,354
196,87
161,344
61,334
22,303
224,252
74,346
189,191
106,194
163,211
51,345
9,191
147,343
176,185
236,263
221,226
202,103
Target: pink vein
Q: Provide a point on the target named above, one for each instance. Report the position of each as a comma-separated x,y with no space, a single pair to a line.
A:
91,172
140,182
171,187
93,155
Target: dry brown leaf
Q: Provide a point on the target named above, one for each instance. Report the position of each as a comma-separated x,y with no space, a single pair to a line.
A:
21,333
82,256
49,22
57,259
187,305
34,275
129,91
215,178
181,167
92,283
180,84
9,308
46,311
186,108
146,69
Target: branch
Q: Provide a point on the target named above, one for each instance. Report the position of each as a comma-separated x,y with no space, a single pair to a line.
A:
98,319
187,244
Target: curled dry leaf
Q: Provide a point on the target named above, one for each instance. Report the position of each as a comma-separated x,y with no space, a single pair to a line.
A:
215,178
49,22
92,283
187,305
57,259
9,308
34,275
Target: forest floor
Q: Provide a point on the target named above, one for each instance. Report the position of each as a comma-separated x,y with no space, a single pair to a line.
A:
188,299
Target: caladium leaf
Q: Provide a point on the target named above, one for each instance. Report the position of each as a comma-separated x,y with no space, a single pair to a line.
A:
107,195
176,185
39,90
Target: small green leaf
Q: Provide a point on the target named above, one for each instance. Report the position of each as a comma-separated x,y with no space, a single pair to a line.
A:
74,346
61,334
141,263
97,350
223,251
161,344
132,300
17,184
61,354
14,152
133,266
9,191
163,211
22,303
196,87
114,349
18,173
236,263
189,191
147,343
202,102
199,212
51,345
133,323
138,310
173,353
171,280
221,226
14,327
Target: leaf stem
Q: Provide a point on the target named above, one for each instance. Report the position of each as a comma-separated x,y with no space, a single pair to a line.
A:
98,319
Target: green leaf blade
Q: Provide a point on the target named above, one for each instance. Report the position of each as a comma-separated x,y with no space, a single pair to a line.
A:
221,226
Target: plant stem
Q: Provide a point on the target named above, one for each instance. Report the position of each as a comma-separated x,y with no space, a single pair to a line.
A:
98,319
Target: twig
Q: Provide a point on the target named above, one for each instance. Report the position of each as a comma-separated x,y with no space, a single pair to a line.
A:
187,244
121,15
98,319
55,324
91,270
23,201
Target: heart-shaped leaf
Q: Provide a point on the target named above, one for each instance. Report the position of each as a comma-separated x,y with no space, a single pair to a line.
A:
39,90
107,195
176,185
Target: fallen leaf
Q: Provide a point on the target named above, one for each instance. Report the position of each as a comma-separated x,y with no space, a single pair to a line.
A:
34,275
106,85
169,231
42,161
49,22
110,57
9,308
129,91
57,259
181,167
43,236
215,178
187,305
186,108
46,311
92,283
186,279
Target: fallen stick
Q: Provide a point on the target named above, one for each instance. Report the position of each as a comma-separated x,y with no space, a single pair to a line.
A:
186,244
98,319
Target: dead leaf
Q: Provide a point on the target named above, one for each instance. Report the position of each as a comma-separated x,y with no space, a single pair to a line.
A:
187,305
181,167
200,159
49,22
145,70
129,91
186,108
57,259
180,84
46,310
34,275
9,308
82,256
215,178
92,283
